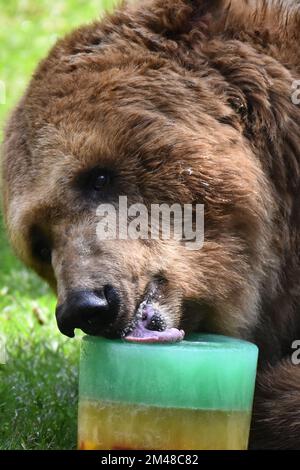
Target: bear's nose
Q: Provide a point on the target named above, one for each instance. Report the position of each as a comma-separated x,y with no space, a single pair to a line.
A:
91,311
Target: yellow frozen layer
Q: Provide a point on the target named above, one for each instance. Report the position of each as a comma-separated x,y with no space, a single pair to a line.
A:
110,426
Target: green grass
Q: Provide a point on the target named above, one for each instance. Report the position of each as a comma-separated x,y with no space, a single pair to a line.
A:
38,384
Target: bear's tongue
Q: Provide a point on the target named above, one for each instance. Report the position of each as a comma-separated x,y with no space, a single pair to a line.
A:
143,334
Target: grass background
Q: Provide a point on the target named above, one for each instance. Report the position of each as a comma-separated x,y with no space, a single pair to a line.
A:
38,383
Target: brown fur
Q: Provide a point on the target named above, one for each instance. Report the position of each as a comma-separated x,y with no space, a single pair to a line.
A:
186,101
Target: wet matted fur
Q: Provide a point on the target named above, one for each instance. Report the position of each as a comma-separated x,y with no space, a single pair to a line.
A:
181,101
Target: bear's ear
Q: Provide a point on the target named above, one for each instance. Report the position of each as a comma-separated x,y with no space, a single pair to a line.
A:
175,17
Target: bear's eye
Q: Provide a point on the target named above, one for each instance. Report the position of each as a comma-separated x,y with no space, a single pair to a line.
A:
41,248
94,181
44,254
100,181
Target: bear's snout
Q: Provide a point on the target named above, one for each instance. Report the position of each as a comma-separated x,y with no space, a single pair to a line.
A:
91,311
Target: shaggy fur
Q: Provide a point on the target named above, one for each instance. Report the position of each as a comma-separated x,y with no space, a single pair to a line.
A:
183,101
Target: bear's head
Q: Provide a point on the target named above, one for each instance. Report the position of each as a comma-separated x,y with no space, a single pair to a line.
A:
164,103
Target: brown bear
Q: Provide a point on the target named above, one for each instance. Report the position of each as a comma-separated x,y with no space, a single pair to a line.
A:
171,101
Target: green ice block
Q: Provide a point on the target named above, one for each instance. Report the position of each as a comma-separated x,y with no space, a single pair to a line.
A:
204,372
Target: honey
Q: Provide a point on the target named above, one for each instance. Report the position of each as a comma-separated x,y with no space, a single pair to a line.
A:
109,426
